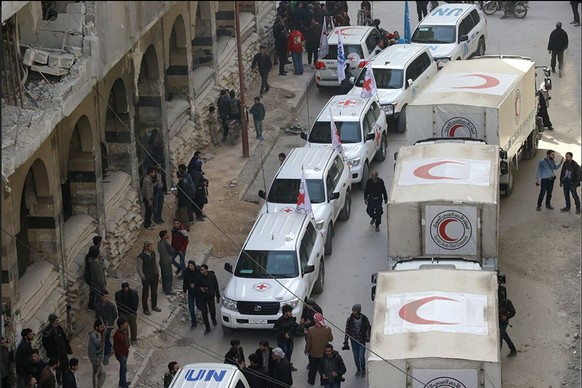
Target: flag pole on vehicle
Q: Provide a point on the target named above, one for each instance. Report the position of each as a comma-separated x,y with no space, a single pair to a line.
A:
303,201
407,34
341,58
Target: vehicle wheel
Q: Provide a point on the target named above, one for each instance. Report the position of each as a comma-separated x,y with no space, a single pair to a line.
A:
318,85
401,127
381,153
509,186
520,10
320,282
365,176
328,241
480,48
347,209
531,145
227,330
490,7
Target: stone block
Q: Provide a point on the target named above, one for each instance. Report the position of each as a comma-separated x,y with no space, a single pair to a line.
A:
41,56
61,60
49,70
28,57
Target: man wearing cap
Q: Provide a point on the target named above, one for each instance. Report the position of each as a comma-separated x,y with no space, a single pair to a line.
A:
358,330
121,348
127,301
317,337
282,370
148,270
309,310
56,344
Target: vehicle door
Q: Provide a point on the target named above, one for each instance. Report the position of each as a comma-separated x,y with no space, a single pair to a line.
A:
331,187
372,45
423,65
368,123
479,30
309,255
470,45
411,74
342,182
380,122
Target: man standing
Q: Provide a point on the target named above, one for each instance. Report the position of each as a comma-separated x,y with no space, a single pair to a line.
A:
121,348
265,354
258,112
309,310
96,275
262,63
147,194
127,301
373,194
167,253
212,126
180,244
576,21
189,290
201,197
255,374
206,290
184,196
95,352
47,377
282,370
56,344
545,176
331,368
295,47
149,273
421,9
37,364
173,369
312,41
556,45
159,194
570,181
318,336
6,359
223,111
506,312
286,328
358,331
106,311
69,377
23,356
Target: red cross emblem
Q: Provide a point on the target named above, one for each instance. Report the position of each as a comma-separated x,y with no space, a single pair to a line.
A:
261,286
288,210
347,102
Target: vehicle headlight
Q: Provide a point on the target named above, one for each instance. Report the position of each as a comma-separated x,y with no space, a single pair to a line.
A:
354,162
319,224
229,304
441,62
293,303
388,109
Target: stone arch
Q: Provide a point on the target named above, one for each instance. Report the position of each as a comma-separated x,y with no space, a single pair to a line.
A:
176,80
117,130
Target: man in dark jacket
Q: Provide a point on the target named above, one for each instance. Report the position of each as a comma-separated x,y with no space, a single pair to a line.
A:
282,371
189,290
167,253
570,180
265,354
184,197
127,301
280,35
309,310
148,269
358,330
56,344
37,364
312,38
23,356
286,328
69,378
262,63
373,194
97,279
47,376
255,374
201,196
235,355
331,367
106,311
223,111
556,45
206,290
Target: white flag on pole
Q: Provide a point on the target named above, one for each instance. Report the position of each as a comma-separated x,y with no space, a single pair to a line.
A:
341,58
303,201
369,86
323,45
336,142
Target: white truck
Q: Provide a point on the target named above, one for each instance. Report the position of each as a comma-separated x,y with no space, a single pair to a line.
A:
435,328
492,98
444,203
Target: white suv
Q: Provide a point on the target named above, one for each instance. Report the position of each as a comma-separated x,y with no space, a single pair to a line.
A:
452,32
281,263
362,128
328,184
401,71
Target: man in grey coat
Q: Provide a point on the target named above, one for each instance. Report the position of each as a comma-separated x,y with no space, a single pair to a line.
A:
95,352
147,195
167,253
149,273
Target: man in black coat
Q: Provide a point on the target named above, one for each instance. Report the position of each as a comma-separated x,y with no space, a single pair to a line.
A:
127,301
23,357
282,371
255,374
262,63
280,35
56,344
69,378
556,45
206,290
373,194
265,354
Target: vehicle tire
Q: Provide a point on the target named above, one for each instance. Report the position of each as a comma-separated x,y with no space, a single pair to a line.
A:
365,176
520,10
227,330
344,214
481,48
381,153
490,7
511,180
531,145
328,249
401,127
320,282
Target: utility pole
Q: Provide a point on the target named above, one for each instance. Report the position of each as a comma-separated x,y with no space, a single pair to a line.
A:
241,78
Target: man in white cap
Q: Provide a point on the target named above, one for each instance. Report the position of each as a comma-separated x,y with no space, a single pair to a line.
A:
282,370
317,337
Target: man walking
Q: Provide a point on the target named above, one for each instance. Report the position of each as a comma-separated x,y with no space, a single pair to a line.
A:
121,348
358,330
206,290
147,268
570,181
167,253
286,328
95,352
506,312
331,368
545,178
106,312
295,47
190,276
23,356
556,45
96,276
258,112
262,63
318,336
56,344
127,301
147,194
212,125
373,194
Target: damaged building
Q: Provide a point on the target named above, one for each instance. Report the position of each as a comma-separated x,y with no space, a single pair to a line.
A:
84,85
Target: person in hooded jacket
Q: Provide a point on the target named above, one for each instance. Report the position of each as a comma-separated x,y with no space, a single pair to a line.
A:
206,290
331,368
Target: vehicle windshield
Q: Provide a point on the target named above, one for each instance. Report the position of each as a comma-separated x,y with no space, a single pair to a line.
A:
434,34
349,131
267,264
385,78
287,191
348,49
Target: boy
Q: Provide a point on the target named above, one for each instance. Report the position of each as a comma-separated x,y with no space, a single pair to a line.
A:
258,112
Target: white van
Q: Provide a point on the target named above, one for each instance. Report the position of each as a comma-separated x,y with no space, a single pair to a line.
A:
281,263
452,32
209,375
328,183
401,71
362,129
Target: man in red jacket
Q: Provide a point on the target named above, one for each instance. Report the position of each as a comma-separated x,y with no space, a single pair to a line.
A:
121,348
179,243
295,47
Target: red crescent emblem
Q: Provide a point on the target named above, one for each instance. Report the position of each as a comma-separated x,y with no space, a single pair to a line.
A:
453,129
490,82
423,171
442,230
409,312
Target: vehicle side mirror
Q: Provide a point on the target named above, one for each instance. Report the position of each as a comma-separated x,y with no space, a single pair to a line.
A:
504,168
303,135
370,136
548,84
409,82
374,278
262,194
334,195
308,269
373,293
352,80
228,267
502,154
463,38
396,155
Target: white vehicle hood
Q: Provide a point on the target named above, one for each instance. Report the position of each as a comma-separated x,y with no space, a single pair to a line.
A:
439,50
385,96
247,289
351,151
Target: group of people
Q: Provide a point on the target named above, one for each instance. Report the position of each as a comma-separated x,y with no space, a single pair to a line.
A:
569,180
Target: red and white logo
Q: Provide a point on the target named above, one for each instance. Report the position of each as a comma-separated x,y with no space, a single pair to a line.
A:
449,170
451,230
459,127
348,102
485,82
424,171
261,286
